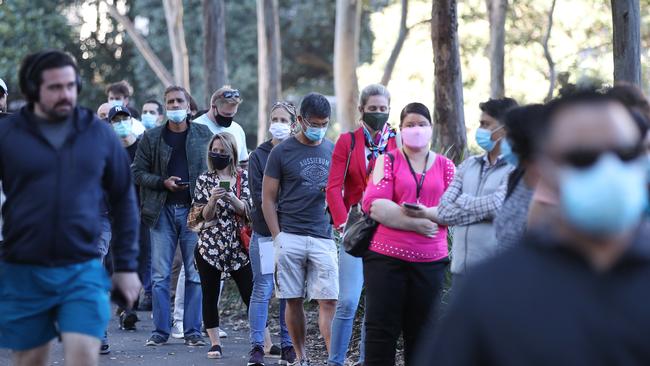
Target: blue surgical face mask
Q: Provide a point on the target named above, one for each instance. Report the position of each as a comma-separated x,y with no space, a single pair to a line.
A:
607,198
149,121
177,116
484,138
315,133
117,103
508,155
122,129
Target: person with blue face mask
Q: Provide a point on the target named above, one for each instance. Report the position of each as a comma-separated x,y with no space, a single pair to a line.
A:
477,193
167,164
586,273
293,204
152,114
524,125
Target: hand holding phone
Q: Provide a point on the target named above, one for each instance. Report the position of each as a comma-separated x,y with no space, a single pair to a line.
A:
224,184
412,206
182,183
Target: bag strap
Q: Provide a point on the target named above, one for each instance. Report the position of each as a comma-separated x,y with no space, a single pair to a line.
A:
238,184
347,163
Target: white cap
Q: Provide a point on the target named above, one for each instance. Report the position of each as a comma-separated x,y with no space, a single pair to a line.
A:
4,86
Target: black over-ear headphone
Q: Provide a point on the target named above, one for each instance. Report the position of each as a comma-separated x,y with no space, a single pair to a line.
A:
29,81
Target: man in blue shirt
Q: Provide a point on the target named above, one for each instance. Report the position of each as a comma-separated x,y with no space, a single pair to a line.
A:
57,163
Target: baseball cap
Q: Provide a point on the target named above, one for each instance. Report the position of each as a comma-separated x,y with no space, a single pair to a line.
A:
4,86
118,109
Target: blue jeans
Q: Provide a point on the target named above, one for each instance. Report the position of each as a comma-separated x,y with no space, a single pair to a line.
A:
170,230
259,306
350,285
144,259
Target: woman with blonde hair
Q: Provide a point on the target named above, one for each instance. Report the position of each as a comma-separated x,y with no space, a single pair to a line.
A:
220,205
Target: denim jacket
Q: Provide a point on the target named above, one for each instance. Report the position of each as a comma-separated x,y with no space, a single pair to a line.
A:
150,167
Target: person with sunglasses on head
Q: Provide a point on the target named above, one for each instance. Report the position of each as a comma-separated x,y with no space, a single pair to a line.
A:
523,126
293,203
407,259
353,160
219,118
477,193
574,292
281,127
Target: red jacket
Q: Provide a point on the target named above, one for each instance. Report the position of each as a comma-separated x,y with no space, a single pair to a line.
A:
341,196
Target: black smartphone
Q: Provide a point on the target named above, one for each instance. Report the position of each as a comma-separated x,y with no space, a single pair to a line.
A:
412,206
182,183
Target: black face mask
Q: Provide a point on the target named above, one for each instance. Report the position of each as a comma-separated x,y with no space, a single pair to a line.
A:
375,120
219,161
223,121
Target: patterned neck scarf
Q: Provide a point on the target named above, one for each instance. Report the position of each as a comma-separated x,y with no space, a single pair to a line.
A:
378,144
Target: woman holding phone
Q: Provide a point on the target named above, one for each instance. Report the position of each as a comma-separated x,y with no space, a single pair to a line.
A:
405,265
221,203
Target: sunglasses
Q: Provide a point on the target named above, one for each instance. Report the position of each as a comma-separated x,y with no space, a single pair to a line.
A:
309,124
231,94
584,158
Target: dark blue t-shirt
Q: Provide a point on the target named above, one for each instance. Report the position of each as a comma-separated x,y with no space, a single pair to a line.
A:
177,165
302,171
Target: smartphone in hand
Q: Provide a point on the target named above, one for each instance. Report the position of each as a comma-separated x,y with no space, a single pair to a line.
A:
182,183
411,206
224,184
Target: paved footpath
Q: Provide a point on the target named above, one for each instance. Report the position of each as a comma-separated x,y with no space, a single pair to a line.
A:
127,348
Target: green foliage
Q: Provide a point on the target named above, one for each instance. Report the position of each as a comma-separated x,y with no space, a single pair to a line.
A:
19,35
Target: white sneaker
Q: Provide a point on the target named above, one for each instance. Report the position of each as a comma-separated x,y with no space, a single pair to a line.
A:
222,334
177,331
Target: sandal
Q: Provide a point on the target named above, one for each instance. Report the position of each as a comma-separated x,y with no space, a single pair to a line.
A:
215,351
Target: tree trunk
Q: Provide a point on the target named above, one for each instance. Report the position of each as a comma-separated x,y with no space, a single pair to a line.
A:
143,46
346,58
215,63
401,37
174,17
547,54
627,41
450,136
269,68
497,10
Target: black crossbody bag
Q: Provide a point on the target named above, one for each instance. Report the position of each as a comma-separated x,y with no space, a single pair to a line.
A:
359,229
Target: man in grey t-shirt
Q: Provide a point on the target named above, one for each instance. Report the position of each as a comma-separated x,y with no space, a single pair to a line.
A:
293,202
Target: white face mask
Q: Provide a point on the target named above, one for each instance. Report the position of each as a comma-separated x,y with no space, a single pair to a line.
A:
280,131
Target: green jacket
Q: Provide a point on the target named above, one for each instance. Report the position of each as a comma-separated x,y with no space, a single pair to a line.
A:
150,167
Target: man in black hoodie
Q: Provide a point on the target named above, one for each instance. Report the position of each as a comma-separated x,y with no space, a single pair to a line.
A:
57,161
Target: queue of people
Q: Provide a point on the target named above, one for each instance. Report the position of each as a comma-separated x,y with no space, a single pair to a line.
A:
545,233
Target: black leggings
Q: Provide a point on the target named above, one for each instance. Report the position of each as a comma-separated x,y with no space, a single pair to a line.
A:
210,286
401,297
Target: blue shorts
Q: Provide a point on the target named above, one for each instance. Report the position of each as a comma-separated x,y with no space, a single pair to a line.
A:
37,303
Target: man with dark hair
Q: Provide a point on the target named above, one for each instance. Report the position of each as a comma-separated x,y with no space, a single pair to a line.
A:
152,114
576,292
477,192
119,94
57,163
293,203
168,161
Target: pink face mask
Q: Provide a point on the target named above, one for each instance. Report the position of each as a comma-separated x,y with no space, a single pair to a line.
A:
416,137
